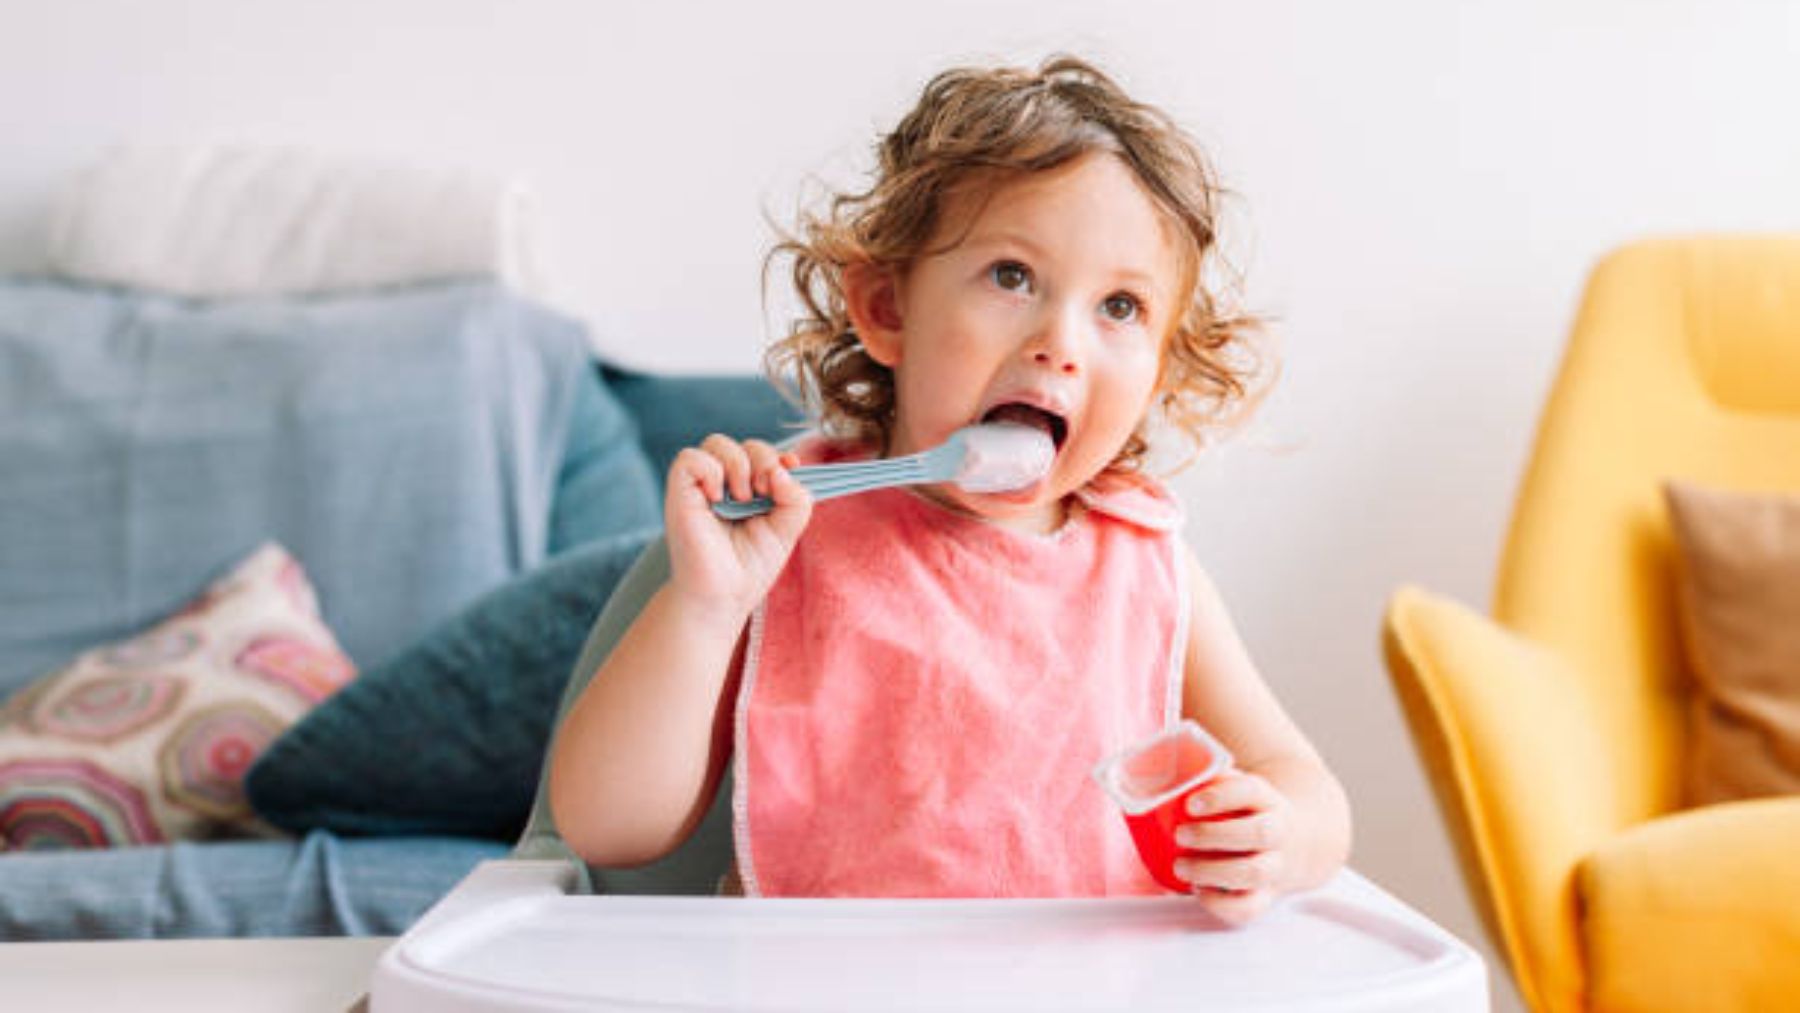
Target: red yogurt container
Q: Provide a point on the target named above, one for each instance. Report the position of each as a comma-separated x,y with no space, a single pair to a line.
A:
1151,780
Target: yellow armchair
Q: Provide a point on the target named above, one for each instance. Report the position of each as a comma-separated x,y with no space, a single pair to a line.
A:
1553,732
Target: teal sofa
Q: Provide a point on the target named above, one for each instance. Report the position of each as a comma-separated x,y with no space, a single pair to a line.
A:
461,480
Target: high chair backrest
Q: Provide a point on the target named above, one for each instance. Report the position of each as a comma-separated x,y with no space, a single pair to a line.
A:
1683,363
672,412
695,867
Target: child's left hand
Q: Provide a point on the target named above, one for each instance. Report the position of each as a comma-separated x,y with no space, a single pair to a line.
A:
1242,829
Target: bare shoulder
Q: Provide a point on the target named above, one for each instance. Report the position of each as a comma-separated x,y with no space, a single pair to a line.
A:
1222,687
1207,610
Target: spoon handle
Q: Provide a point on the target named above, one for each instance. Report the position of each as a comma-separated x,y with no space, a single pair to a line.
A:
829,481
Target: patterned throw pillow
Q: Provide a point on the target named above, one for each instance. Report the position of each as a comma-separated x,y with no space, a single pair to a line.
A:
147,740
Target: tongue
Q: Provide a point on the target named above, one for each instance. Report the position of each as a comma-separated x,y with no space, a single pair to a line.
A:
1023,415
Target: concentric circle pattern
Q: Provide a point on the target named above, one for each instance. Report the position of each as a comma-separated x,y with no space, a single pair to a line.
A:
108,708
155,647
21,705
311,670
48,804
203,762
147,739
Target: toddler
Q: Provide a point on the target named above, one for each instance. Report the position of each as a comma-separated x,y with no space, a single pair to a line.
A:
912,685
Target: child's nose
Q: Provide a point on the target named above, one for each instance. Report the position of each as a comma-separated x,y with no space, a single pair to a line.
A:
1058,342
1062,364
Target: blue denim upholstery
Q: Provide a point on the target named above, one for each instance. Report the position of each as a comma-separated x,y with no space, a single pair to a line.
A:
422,451
405,446
319,885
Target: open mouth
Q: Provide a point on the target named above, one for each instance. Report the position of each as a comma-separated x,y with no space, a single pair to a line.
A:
1048,422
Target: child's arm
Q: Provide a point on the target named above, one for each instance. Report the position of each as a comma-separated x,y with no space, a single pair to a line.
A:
640,754
1279,821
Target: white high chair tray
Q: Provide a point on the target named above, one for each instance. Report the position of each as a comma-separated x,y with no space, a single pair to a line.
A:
510,938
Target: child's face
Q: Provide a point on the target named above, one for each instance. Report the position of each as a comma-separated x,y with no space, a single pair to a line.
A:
1059,297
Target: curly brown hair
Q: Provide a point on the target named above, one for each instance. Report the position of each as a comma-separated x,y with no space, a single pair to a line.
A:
972,130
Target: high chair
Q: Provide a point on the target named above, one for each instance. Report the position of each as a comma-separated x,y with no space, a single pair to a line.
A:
1553,732
541,930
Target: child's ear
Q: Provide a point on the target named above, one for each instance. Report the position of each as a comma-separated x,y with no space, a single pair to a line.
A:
872,298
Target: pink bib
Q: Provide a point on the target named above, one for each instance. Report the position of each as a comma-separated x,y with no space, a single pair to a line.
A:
924,695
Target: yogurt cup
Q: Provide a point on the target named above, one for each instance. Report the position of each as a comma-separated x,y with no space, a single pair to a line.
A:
1150,781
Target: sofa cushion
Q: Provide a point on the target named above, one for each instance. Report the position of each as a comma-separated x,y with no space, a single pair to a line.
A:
319,885
448,736
1700,910
407,444
147,740
673,412
605,485
1739,597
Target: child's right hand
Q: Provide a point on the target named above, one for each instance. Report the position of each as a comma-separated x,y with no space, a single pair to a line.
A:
720,564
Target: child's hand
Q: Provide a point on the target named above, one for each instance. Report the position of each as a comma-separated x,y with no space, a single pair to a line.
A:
1242,831
719,563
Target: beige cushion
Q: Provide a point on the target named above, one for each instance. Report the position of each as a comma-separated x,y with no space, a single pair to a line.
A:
147,740
1739,595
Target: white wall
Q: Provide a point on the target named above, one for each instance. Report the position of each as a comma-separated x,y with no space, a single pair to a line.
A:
1423,186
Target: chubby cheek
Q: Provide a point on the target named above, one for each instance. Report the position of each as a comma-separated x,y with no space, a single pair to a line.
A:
937,398
932,411
1086,457
1112,417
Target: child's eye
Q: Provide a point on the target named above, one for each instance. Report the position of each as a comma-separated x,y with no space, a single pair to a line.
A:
1011,276
1121,307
